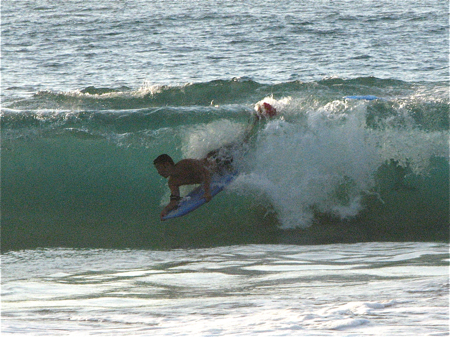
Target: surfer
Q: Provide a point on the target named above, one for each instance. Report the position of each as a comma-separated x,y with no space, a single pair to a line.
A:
199,171
185,172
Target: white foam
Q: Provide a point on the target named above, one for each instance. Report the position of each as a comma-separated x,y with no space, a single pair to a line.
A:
412,147
325,164
345,323
325,159
198,140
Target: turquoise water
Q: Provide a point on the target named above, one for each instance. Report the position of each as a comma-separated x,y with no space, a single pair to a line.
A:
93,92
356,170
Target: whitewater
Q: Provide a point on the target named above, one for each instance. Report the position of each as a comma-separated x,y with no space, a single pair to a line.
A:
337,224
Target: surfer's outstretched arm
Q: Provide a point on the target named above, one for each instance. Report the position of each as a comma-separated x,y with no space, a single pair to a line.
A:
250,130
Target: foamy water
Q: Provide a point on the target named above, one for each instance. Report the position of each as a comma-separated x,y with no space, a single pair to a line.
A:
370,289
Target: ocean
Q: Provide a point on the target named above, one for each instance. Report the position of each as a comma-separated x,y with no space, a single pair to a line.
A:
337,224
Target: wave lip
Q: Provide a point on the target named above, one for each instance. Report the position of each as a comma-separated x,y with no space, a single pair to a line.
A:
216,92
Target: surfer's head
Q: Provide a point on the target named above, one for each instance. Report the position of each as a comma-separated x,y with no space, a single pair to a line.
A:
164,158
163,164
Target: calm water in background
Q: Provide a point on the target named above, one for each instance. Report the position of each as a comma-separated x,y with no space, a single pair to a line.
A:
92,91
76,44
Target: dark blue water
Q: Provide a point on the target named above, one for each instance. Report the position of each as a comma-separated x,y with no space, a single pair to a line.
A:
75,44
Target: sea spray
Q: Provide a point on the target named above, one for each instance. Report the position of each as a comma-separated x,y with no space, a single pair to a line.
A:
326,160
323,163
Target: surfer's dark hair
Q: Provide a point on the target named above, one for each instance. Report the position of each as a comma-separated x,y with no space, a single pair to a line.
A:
164,158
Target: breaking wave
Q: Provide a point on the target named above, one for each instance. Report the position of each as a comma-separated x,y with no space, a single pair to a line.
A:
77,166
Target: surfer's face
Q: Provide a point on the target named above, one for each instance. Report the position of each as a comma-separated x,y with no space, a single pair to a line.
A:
163,169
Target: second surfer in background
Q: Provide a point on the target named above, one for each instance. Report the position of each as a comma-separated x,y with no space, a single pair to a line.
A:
263,110
199,171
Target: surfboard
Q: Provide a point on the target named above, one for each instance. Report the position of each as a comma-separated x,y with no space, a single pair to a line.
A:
195,199
366,97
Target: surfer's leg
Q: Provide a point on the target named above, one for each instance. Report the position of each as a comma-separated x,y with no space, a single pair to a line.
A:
221,160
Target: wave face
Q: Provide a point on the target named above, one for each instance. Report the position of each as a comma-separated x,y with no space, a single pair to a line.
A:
77,166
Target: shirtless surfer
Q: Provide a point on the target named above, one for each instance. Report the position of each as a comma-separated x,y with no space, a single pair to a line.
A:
198,171
185,172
